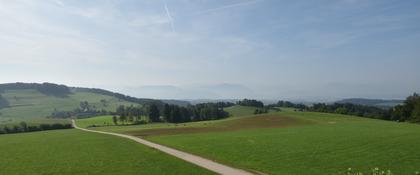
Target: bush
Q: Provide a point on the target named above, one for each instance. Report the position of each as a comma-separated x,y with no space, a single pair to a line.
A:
33,128
23,127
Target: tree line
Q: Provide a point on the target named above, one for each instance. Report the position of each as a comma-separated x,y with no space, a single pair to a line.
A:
250,102
198,112
171,113
131,114
118,95
84,110
261,108
351,109
288,104
45,88
24,127
408,111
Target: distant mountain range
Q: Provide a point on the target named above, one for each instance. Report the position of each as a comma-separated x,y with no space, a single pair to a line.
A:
216,91
372,102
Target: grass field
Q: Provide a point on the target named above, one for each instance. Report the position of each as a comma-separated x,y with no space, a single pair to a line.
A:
34,122
290,142
97,121
32,105
239,111
333,145
235,111
77,152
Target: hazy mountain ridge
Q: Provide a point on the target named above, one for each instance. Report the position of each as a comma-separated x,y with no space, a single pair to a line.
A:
372,102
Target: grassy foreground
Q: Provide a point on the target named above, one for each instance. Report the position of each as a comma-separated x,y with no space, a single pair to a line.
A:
334,144
78,152
290,142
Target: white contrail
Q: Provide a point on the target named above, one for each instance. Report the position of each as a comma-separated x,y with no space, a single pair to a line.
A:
168,14
227,6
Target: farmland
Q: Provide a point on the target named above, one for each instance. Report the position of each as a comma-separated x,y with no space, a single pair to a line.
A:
309,149
291,142
192,87
278,142
77,152
29,104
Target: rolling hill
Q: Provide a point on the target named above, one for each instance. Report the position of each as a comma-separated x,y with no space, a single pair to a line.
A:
32,101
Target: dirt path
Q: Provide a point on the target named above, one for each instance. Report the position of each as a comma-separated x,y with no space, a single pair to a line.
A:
202,162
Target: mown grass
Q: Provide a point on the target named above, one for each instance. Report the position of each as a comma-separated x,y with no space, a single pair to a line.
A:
105,120
30,104
334,144
121,128
313,143
77,152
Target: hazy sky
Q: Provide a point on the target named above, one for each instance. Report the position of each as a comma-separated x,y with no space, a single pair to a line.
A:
309,49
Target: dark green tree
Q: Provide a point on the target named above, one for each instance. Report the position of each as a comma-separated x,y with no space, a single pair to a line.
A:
115,120
153,113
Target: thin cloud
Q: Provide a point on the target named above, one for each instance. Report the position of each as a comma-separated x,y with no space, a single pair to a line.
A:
59,2
168,14
227,7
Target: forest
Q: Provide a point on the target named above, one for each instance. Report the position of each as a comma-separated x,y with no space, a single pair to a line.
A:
172,113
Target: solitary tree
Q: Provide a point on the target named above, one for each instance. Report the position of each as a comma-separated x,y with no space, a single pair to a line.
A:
115,120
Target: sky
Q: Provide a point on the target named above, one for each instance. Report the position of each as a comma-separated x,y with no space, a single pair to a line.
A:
216,49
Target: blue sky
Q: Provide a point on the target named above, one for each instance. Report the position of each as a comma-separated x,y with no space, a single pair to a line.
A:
272,49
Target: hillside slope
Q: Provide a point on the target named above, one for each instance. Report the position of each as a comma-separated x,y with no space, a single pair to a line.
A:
36,101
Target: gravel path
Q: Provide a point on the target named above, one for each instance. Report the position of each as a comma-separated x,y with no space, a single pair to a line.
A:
202,162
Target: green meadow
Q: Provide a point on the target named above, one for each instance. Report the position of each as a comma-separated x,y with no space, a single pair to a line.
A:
290,142
78,152
330,146
285,142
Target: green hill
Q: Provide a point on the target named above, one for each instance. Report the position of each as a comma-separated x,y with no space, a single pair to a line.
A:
24,101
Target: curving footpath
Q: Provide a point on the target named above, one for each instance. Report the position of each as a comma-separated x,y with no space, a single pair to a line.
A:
202,162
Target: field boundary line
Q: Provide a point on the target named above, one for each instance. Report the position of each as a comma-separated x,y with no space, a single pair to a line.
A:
197,160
